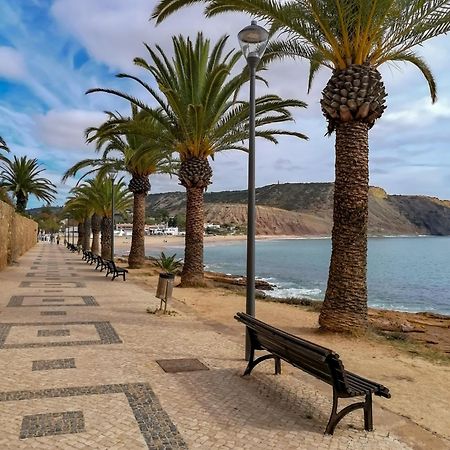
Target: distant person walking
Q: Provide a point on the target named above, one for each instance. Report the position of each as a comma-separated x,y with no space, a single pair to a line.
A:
52,238
57,239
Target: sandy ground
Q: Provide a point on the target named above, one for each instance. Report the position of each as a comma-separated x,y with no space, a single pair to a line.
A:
161,243
419,386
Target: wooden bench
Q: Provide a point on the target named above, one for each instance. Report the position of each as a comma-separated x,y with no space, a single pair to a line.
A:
87,255
101,263
316,360
116,271
71,247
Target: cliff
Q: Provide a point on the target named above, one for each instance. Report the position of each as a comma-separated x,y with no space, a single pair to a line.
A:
306,209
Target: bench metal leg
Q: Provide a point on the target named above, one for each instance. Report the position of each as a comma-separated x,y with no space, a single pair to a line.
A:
277,365
368,417
336,417
252,363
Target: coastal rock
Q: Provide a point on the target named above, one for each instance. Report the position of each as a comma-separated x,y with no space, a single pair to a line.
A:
407,327
235,280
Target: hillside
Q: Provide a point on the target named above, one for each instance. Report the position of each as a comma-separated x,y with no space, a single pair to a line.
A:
306,209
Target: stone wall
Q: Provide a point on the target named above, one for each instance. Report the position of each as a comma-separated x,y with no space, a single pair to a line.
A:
17,234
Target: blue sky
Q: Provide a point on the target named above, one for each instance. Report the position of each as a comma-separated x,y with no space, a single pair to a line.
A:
52,51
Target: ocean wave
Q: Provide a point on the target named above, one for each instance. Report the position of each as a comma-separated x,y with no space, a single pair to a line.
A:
402,308
281,292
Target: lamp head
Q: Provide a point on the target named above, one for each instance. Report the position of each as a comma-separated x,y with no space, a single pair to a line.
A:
253,41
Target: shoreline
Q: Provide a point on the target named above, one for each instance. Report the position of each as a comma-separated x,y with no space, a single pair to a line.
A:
157,244
123,243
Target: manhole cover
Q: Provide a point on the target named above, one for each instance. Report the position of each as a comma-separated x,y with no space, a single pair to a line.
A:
181,365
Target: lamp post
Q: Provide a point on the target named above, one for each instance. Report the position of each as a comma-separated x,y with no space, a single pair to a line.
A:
253,41
112,176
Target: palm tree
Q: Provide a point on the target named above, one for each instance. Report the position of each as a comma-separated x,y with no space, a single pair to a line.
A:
21,177
200,116
95,195
4,197
133,152
75,210
352,38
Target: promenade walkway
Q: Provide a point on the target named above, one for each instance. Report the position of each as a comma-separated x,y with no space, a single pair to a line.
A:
78,370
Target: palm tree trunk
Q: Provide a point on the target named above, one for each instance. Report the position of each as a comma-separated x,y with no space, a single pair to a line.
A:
87,234
21,202
137,252
192,274
80,234
106,237
345,305
96,223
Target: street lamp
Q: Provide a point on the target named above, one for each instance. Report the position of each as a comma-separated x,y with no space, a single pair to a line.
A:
253,41
112,176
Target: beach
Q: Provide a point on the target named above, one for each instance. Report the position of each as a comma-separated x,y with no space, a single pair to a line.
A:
161,243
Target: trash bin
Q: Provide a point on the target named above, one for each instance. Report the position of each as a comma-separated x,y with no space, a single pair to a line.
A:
165,288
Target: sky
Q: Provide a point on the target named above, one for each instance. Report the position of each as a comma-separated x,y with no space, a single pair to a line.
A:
52,51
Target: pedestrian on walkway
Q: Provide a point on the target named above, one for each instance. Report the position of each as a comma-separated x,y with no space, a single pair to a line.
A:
57,239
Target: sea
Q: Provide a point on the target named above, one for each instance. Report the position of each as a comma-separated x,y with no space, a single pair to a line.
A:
404,273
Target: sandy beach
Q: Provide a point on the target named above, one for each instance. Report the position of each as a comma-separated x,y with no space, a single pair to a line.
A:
161,243
419,384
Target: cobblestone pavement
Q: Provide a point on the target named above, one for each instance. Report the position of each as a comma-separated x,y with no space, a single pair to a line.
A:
89,378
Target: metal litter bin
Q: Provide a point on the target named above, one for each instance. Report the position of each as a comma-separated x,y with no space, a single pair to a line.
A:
165,288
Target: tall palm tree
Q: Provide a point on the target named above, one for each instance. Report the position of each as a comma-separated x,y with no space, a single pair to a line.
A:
200,115
20,176
352,38
4,197
85,202
126,138
75,210
100,191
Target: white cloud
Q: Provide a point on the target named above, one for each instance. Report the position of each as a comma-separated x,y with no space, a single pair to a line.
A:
64,129
113,31
419,113
13,65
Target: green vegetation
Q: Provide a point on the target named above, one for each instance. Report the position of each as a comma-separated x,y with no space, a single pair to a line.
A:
21,177
169,264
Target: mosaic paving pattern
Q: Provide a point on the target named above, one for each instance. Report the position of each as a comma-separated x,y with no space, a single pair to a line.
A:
21,300
53,313
52,364
106,333
155,425
52,424
50,273
47,333
43,284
